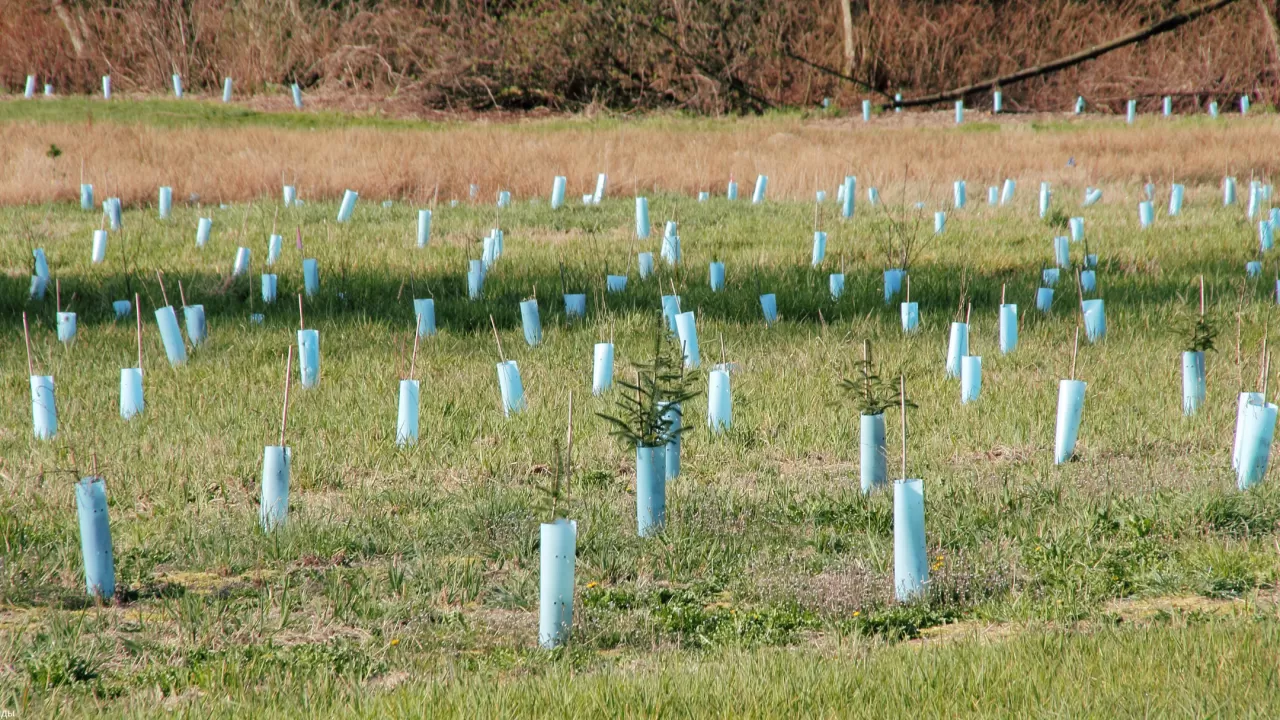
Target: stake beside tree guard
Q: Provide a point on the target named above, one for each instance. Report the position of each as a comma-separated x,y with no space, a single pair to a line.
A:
1076,226
509,385
651,489
1008,325
557,554
1044,299
1245,399
241,264
719,400
892,283
939,222
716,276
193,316
850,193
270,287
957,347
1176,194
226,90
273,509
1257,429
819,248
910,556
310,277
642,218
959,198
687,332
1253,268
1092,196
86,196
1131,111
672,413
769,306
910,311
1045,196
99,252
44,411
1070,410
1228,191
66,320
407,410
289,195
762,185
425,309
297,96
95,537
308,352
731,192
1006,192
531,322
557,191
203,228
1146,214
170,335
424,228
602,368
644,262
131,402
165,204
275,244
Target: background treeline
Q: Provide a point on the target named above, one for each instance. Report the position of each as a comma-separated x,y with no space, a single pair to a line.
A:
709,56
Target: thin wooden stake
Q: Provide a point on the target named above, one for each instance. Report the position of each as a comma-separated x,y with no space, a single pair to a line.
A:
497,339
57,293
26,335
721,348
163,294
1003,286
284,414
413,359
1262,359
182,295
1266,376
137,307
301,324
902,396
1202,296
968,312
568,452
1075,349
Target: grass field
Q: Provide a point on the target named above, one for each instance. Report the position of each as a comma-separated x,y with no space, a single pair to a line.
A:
1135,580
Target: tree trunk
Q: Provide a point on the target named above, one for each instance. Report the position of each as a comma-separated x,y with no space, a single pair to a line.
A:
1269,18
846,14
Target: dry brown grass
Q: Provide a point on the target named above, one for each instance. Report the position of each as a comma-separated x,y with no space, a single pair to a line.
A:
675,156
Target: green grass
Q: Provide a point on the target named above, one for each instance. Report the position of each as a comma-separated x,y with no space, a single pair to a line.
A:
406,581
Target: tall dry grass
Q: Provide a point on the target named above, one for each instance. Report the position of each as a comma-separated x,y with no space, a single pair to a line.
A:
713,55
131,161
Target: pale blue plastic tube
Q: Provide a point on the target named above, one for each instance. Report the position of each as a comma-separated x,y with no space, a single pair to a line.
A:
835,284
48,90
1193,385
86,196
407,414
1088,281
130,392
348,205
1266,237
113,210
897,98
866,111
241,264
993,195
1062,251
1253,268
1255,198
716,275
1006,192
687,331
1245,399
504,198
1255,446
910,558
557,191
970,378
601,180
177,86
29,91
1176,194
274,245
490,254
1092,196
762,184
819,248
651,490
719,402
1049,276
732,191
850,194
892,284
1213,108
1131,111
531,322
1146,214
1079,104
95,538
871,455
704,196
959,111
1045,196
290,195
644,263
673,415
602,368
769,306
273,508
958,195
670,250
1167,106
821,196
1091,260
425,310
257,318
510,387
66,327
270,285
557,550
670,309
1044,299
1095,320
997,102
165,202
1228,191
1008,328
309,357
642,218
203,228
121,307
297,96
939,222
615,283
171,336
1076,225
910,312
193,316
226,90
1067,429
575,305
310,276
424,227
873,196
106,87
1244,104
44,408
957,347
